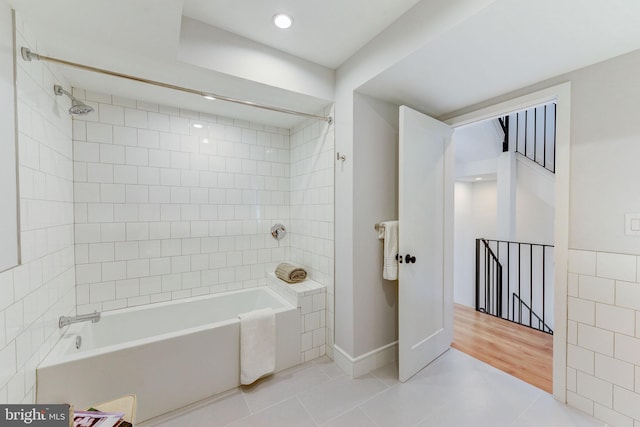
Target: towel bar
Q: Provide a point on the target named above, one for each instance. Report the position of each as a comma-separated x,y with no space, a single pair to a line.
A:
378,227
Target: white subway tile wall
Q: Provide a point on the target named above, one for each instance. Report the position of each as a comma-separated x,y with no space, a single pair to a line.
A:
603,354
312,209
166,210
310,297
34,294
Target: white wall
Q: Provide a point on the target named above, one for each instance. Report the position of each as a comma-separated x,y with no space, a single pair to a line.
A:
484,204
475,217
604,329
479,142
535,216
604,153
464,246
34,294
407,34
375,163
366,304
161,214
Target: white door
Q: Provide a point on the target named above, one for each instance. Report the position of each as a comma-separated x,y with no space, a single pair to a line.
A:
425,282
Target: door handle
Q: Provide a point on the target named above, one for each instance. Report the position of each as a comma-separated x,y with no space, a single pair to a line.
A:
409,259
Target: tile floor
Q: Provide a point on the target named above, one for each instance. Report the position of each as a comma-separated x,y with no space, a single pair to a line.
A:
456,390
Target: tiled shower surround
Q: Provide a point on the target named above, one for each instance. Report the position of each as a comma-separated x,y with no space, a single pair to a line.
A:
312,213
166,210
34,294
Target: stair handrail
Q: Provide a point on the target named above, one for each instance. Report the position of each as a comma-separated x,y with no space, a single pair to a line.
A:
498,274
492,288
531,312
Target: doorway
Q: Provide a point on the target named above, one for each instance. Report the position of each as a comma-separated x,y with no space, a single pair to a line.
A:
561,96
504,231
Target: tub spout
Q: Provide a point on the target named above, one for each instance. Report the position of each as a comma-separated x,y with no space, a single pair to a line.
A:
68,320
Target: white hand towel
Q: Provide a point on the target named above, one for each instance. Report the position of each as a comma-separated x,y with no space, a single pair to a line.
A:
390,251
257,344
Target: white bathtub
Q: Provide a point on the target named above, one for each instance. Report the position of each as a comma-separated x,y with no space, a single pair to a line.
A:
169,354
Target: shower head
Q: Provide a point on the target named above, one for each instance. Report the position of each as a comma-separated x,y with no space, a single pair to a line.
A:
77,107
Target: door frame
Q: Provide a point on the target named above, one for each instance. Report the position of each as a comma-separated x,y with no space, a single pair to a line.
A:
561,94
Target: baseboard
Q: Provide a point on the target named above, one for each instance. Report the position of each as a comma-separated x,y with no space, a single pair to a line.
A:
361,365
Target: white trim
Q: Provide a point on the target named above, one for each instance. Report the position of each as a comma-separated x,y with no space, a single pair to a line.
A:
361,365
561,94
521,103
343,360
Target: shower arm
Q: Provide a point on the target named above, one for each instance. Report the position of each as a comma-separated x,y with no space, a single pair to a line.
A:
59,90
29,55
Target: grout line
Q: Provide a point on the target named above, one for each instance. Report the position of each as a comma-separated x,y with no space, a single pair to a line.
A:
367,415
313,420
244,399
519,416
288,397
357,405
186,410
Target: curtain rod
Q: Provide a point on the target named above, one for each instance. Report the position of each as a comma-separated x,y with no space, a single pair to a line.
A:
28,55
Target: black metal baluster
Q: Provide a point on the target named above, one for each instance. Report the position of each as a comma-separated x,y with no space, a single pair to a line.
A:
477,274
530,283
544,159
535,135
555,125
486,280
519,281
526,127
517,131
498,283
508,274
544,305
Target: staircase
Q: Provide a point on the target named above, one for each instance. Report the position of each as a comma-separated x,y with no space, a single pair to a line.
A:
532,133
514,280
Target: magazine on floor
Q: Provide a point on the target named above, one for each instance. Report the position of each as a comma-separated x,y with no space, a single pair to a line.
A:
93,418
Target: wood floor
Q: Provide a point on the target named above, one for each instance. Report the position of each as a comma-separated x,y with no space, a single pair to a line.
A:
515,349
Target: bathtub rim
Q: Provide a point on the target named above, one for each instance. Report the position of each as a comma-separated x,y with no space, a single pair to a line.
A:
58,354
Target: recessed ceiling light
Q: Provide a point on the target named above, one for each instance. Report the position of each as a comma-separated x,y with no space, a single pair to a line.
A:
197,125
282,20
479,178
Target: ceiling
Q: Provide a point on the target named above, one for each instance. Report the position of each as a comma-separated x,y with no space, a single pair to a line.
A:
507,45
326,32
